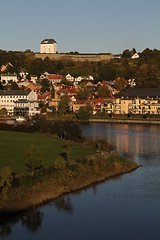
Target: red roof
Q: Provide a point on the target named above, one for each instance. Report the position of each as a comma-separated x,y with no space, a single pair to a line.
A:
81,102
100,100
54,76
45,96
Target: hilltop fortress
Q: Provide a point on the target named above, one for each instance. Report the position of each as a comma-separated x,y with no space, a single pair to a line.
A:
48,49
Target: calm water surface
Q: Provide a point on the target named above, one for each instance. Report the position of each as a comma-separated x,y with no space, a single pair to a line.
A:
124,208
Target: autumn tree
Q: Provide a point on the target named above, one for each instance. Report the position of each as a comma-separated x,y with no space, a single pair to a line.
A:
64,105
103,92
120,83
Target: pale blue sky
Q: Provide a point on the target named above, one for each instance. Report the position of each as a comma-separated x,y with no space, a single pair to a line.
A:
80,25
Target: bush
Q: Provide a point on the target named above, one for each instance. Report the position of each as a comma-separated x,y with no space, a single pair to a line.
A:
59,163
33,160
3,111
6,179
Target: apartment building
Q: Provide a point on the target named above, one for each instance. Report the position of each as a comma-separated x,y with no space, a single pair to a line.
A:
138,101
19,102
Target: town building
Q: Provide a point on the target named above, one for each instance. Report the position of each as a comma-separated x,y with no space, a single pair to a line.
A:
19,102
48,46
54,78
135,56
138,101
6,78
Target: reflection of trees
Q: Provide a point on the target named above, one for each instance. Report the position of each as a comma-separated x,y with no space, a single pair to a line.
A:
32,221
94,188
6,222
5,230
64,204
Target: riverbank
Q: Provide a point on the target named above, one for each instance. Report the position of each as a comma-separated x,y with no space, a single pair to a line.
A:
101,118
126,121
28,192
154,120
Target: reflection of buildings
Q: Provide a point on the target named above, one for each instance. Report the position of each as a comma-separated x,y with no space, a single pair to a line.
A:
136,140
130,140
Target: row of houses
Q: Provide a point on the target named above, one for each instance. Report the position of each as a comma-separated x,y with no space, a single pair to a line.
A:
6,78
133,101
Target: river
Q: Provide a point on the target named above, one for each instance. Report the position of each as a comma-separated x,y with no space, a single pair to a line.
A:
123,208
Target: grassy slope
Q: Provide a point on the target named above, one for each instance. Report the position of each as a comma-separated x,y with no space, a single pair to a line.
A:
14,145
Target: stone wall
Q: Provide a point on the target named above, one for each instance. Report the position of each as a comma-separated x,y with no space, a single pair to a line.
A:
76,58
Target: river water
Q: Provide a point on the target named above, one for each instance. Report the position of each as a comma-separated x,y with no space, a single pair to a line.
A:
123,208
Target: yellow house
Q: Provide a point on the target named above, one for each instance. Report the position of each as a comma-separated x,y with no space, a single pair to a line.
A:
138,101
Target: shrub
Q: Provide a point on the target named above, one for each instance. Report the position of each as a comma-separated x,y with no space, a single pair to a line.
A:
6,179
3,111
33,160
59,163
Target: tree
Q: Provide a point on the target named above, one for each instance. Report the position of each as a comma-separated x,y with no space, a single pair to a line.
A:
103,92
3,111
133,51
84,113
53,92
64,105
6,179
83,93
107,72
126,54
120,83
33,160
45,85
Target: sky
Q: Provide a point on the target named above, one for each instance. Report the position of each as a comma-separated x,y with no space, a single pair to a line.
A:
86,26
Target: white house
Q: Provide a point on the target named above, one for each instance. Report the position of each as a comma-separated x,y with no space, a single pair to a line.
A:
48,46
69,78
23,83
131,82
19,102
135,56
6,78
54,78
80,78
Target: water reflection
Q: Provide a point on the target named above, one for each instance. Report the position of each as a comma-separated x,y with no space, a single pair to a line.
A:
130,140
63,203
32,221
5,230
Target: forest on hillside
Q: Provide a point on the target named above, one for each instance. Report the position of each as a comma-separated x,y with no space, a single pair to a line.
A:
145,70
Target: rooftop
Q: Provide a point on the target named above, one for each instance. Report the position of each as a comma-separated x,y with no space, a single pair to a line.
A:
14,92
142,93
48,41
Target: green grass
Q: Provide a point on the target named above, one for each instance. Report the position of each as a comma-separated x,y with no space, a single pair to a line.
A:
13,146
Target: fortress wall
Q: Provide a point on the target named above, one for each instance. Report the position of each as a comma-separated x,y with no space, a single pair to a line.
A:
76,58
